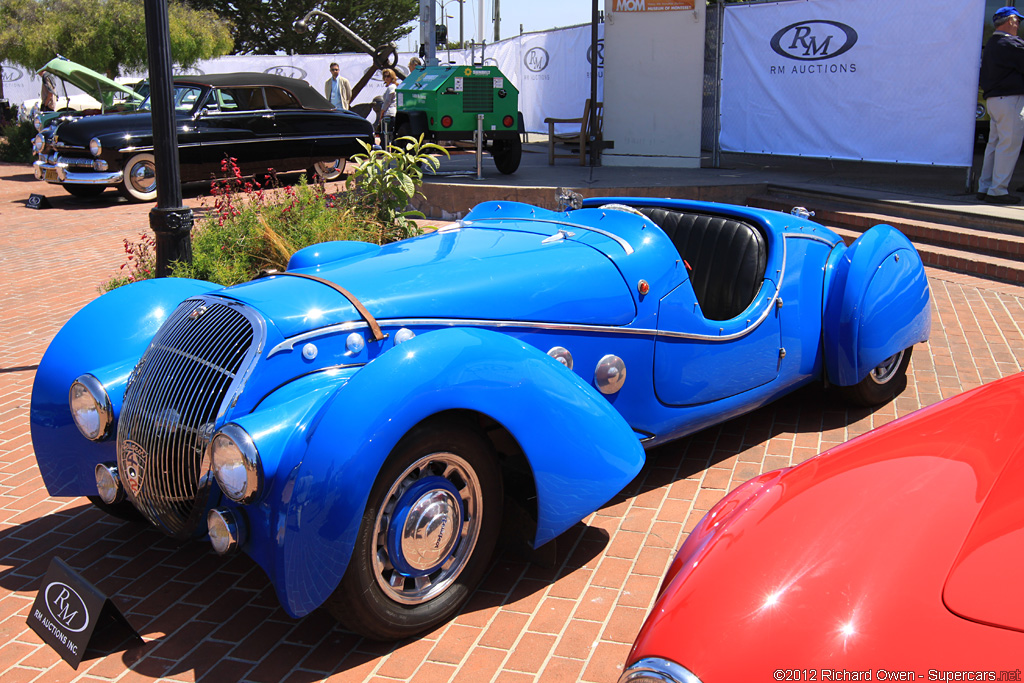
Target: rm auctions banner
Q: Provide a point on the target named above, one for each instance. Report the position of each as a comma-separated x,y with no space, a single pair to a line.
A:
872,80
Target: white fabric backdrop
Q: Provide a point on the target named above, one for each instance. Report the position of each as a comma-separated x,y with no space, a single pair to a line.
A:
905,91
551,70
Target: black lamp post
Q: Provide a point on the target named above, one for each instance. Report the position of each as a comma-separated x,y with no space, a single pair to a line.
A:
170,221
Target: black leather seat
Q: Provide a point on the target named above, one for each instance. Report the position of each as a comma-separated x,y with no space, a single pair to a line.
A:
727,258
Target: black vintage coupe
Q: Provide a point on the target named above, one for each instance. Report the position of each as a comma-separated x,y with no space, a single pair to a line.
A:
263,121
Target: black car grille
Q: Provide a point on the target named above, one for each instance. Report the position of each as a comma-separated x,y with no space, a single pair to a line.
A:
171,406
478,95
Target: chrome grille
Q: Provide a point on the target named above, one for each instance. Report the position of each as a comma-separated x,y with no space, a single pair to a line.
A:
175,397
74,161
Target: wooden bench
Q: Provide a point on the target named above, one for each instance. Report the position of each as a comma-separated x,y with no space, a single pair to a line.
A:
582,139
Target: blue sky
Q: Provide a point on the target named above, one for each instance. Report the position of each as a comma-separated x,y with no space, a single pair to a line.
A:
534,15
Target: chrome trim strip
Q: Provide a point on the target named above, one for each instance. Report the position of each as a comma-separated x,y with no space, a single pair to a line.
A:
304,138
815,238
626,246
289,344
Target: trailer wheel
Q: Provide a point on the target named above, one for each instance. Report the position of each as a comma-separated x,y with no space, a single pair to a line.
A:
507,154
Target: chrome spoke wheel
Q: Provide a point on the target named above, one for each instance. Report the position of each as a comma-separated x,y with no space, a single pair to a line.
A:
427,528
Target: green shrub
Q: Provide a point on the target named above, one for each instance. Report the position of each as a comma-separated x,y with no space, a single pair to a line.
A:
386,181
16,142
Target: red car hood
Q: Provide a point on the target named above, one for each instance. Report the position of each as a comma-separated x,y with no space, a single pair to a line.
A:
842,562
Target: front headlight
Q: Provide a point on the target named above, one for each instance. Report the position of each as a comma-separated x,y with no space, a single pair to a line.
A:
37,144
236,464
90,408
37,122
95,147
657,670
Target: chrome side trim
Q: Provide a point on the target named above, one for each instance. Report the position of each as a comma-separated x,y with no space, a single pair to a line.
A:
290,343
294,138
814,238
626,246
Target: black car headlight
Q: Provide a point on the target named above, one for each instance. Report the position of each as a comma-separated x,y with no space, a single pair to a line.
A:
95,147
657,670
91,408
235,463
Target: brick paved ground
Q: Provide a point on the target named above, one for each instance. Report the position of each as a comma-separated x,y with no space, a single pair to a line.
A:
563,615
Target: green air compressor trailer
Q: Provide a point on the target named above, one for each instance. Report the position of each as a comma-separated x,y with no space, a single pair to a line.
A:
442,103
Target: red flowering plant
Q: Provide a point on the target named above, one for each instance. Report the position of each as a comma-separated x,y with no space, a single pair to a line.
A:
256,224
139,264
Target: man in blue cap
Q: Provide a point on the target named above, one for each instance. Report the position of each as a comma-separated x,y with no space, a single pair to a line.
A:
1002,80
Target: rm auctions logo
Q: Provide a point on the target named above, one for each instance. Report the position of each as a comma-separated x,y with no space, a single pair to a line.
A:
600,54
11,73
809,41
67,606
287,70
536,59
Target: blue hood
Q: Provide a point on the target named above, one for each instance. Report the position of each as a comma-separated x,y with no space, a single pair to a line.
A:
469,273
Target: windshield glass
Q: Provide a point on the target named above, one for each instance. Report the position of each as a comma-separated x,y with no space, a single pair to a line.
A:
185,97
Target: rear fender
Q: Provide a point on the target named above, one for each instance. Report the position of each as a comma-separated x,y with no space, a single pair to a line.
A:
580,450
877,305
106,338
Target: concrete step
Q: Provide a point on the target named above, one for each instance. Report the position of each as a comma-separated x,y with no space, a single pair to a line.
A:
984,251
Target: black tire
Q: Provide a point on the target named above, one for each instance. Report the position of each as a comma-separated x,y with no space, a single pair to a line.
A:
123,510
85,191
507,154
882,383
139,182
443,463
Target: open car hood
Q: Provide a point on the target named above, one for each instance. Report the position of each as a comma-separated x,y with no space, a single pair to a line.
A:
91,82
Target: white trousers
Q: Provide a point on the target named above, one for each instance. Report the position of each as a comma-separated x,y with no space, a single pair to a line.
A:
1006,132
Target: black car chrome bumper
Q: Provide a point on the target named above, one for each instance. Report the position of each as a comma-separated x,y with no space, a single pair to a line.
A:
59,173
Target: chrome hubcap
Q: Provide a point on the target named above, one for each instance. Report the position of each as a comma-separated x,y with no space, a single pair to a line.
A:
427,528
143,177
887,368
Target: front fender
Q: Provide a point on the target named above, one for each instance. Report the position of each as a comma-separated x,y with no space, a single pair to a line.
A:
581,451
877,305
105,338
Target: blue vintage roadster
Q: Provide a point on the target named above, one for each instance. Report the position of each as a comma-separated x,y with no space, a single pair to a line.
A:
356,423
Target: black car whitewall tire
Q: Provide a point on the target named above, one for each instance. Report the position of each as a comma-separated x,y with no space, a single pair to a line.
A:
882,383
427,534
328,171
139,182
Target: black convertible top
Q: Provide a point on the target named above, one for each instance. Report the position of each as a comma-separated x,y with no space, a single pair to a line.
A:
307,95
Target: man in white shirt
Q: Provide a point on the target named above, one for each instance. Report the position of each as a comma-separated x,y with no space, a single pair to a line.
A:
337,89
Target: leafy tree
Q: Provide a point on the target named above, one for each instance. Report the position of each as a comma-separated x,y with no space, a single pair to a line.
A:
108,36
264,27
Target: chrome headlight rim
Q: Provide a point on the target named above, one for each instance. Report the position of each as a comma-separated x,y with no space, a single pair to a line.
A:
38,143
657,670
108,483
95,147
101,404
226,529
248,459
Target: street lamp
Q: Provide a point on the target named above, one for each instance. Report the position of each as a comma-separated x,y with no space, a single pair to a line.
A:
445,3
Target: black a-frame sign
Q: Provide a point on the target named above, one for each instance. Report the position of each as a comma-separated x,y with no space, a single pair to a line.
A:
67,611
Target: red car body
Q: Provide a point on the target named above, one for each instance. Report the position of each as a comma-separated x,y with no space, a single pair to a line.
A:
896,556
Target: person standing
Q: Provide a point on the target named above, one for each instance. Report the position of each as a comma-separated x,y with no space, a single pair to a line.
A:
48,92
337,89
388,107
1002,82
